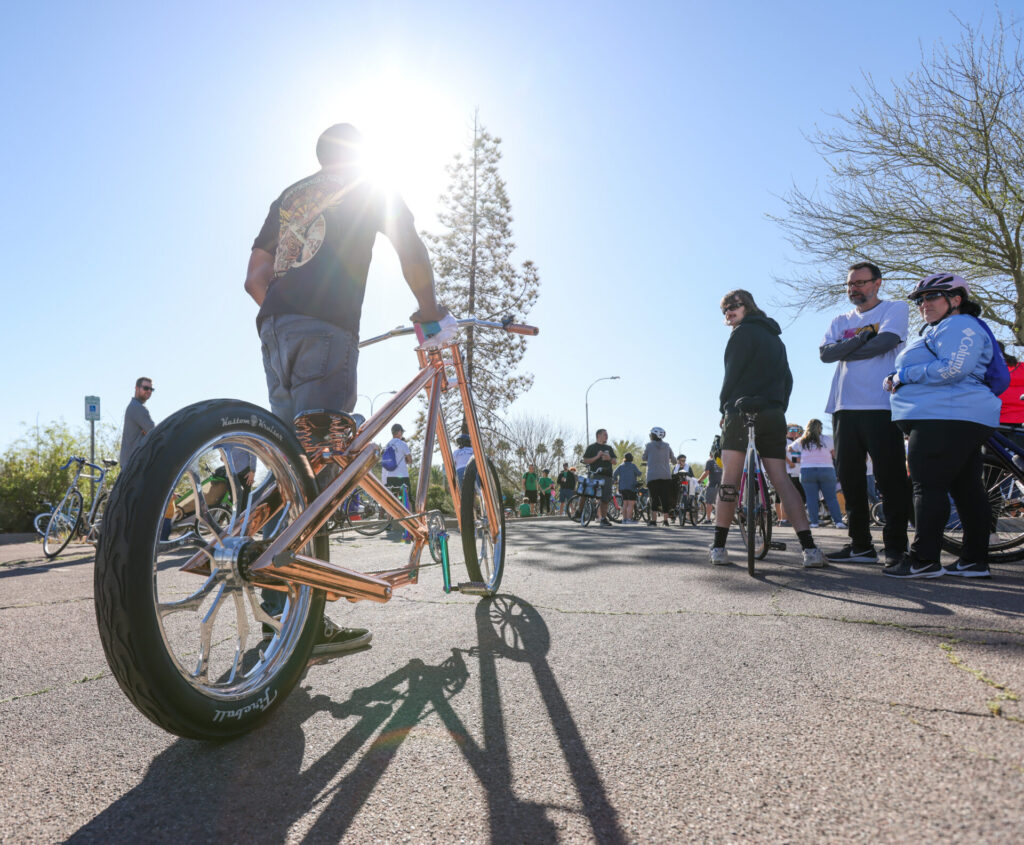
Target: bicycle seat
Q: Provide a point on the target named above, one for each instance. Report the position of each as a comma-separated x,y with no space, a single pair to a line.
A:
109,463
752,404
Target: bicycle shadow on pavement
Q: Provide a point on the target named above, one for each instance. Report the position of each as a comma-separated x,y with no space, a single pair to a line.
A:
32,566
260,786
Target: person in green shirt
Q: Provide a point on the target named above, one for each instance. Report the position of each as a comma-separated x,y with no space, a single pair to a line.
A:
530,486
524,508
544,485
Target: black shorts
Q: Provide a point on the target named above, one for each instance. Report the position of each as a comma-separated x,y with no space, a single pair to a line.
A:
769,433
628,495
531,496
664,493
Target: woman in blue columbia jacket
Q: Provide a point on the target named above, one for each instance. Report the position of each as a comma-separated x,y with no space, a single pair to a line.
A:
939,398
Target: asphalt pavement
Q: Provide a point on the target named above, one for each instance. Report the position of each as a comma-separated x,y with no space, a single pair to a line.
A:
620,689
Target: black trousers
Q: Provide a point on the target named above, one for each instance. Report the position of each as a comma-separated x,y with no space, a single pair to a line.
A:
945,460
544,501
857,435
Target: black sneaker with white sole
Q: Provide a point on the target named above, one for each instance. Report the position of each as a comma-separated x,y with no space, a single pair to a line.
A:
910,567
968,570
847,555
335,640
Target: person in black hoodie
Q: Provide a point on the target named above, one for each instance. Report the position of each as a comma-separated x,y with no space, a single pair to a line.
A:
756,365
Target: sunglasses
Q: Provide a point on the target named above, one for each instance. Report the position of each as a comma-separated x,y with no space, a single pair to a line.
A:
928,297
150,388
729,308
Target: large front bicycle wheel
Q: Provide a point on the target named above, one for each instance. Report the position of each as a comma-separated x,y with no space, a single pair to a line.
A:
41,521
763,518
63,524
1006,527
180,620
483,547
572,508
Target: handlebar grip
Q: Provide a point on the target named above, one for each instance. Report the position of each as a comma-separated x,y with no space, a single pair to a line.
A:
520,328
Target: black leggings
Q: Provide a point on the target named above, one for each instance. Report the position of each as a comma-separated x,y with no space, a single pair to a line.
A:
945,459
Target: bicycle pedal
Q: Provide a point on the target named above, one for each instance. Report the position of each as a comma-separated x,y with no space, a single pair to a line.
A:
777,546
473,588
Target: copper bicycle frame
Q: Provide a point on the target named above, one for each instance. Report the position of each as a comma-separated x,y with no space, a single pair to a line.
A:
279,563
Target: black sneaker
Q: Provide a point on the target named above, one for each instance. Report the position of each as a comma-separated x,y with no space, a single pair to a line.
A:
910,567
334,640
893,558
968,570
847,555
605,523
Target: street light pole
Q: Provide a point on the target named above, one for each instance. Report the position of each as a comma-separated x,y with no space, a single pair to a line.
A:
375,398
586,405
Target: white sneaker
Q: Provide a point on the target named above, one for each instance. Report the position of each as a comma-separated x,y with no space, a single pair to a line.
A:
840,524
814,525
813,557
717,556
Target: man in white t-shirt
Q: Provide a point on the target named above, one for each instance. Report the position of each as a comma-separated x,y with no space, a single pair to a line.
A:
398,476
793,448
863,343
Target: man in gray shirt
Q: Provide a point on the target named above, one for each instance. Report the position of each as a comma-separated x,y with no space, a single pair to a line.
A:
659,458
137,421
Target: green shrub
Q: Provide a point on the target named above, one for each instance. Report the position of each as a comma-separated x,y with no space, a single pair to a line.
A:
30,471
438,499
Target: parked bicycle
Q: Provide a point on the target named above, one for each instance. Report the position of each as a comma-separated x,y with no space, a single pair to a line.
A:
66,521
754,514
191,658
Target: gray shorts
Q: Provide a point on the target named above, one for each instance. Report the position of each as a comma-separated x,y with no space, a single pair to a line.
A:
310,364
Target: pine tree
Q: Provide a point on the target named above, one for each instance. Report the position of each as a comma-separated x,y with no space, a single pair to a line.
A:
475,275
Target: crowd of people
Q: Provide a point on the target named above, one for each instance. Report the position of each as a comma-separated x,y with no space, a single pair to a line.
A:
909,417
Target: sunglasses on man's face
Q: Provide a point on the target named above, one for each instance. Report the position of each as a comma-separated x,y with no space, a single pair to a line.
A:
148,387
729,308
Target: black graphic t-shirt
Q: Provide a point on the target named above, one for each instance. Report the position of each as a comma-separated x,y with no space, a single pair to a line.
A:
602,466
321,232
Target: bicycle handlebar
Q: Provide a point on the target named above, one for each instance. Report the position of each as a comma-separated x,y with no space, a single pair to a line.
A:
504,325
83,461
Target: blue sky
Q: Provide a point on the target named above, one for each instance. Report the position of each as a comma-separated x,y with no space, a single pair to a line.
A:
644,145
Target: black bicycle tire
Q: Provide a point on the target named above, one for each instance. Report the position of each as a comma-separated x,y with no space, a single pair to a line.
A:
468,529
764,520
52,550
877,514
750,509
587,509
376,526
128,626
1007,552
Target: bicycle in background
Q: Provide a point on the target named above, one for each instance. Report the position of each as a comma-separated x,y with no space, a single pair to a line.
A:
67,520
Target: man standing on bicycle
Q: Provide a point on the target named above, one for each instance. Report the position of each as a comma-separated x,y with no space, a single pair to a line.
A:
307,272
756,365
863,343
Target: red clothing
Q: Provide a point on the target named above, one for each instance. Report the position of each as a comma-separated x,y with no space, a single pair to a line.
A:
1013,407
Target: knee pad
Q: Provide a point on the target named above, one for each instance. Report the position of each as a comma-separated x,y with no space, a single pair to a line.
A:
728,493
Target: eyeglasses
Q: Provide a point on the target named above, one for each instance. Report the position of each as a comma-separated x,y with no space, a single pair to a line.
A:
793,430
862,282
928,297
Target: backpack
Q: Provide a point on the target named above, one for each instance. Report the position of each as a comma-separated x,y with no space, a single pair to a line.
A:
389,458
997,373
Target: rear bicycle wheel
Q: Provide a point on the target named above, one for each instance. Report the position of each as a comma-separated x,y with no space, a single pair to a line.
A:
587,511
63,524
41,521
185,645
877,513
614,510
1005,489
482,543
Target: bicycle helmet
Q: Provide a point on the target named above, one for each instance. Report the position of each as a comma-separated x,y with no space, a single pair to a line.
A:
940,283
462,440
658,432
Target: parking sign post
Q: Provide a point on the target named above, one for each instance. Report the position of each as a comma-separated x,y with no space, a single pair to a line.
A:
92,413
